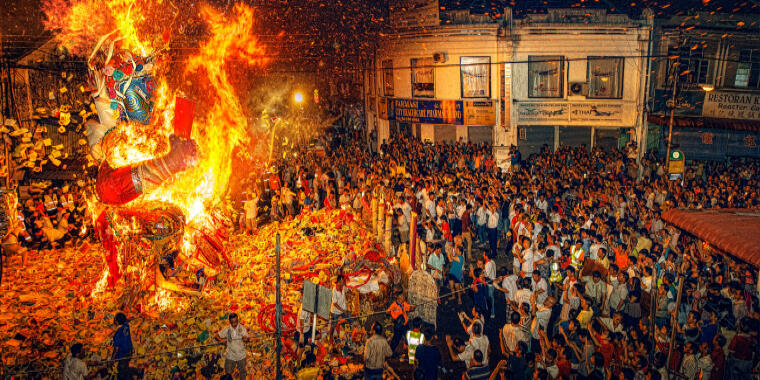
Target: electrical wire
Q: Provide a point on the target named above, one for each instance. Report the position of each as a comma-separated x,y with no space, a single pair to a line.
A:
368,69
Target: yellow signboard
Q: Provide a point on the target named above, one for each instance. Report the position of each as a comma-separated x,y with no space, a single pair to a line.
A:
479,112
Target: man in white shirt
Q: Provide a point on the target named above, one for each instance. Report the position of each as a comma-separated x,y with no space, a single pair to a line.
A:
526,265
543,313
540,287
492,221
430,207
251,209
619,293
524,293
477,341
509,287
74,367
594,250
512,333
406,209
303,326
338,307
489,272
482,219
234,335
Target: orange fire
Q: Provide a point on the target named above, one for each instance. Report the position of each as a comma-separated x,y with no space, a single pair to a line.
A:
220,125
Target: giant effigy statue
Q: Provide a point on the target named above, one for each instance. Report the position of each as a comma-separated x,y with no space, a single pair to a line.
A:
143,239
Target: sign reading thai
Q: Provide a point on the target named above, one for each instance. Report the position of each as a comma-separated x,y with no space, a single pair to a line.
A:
596,112
554,113
732,105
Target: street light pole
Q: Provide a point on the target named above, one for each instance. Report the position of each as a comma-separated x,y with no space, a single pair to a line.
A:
674,104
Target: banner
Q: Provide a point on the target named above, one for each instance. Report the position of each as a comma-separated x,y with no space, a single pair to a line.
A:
546,112
732,105
425,111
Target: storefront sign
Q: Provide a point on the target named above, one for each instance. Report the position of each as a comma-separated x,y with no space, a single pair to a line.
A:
675,165
414,13
479,112
425,111
543,112
596,112
732,105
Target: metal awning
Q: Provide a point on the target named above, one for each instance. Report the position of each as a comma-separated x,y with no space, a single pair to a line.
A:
707,122
733,231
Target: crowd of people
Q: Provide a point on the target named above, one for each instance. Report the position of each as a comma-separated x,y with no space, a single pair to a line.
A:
45,219
559,266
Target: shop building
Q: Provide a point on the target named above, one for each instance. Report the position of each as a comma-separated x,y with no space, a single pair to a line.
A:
578,78
711,62
565,77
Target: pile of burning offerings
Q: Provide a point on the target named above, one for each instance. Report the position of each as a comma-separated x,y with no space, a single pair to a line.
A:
53,302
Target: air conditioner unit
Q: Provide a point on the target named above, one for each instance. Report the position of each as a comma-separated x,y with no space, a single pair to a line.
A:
440,57
578,88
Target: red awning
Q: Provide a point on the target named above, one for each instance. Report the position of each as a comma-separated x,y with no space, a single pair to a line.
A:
707,122
733,231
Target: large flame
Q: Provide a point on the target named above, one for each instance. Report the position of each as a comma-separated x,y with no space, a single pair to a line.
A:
220,126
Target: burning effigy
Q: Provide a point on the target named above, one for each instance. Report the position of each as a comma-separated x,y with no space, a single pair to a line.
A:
143,132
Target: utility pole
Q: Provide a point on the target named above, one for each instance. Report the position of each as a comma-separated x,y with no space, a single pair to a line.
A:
674,102
278,310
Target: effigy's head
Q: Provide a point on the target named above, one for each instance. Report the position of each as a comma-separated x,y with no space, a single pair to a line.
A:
122,84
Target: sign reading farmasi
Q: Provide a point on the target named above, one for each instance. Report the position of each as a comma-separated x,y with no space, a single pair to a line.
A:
426,111
732,105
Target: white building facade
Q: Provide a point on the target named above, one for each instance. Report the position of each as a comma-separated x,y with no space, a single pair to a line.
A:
566,77
578,78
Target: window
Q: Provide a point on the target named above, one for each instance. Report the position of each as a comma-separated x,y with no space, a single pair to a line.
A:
693,67
475,76
748,69
605,77
546,76
423,78
388,77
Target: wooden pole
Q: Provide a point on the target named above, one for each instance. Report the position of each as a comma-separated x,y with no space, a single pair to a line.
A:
388,229
380,221
373,214
278,310
413,241
673,321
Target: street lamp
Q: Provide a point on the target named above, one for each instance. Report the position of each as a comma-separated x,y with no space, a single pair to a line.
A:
707,87
298,97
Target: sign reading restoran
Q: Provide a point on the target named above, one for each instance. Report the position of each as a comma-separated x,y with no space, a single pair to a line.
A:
732,105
